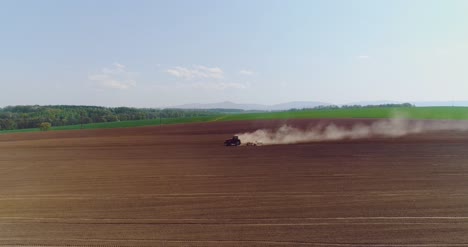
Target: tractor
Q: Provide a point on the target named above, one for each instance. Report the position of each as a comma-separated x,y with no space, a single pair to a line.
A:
234,141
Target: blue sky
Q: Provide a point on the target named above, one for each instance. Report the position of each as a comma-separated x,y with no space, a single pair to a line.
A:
163,53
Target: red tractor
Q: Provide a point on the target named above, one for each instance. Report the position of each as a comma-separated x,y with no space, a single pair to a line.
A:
234,141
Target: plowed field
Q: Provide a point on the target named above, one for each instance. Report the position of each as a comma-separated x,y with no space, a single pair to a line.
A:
179,186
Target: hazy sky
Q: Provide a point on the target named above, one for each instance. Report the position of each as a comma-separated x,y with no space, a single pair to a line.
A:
161,53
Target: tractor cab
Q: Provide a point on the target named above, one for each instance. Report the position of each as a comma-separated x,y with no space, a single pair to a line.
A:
234,141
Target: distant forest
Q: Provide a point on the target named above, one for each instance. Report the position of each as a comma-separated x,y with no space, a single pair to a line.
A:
329,107
24,117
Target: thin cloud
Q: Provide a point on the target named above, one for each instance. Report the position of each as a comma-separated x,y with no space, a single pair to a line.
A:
203,77
220,85
246,72
119,66
115,77
196,72
363,57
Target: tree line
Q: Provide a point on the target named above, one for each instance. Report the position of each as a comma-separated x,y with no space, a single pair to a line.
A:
24,117
331,107
35,116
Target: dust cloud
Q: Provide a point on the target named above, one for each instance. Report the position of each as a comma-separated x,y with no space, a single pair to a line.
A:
389,128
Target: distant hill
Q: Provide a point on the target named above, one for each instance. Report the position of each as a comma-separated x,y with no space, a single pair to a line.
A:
376,102
416,103
221,105
441,103
232,105
308,104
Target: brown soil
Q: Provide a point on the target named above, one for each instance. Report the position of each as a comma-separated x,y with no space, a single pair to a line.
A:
179,186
